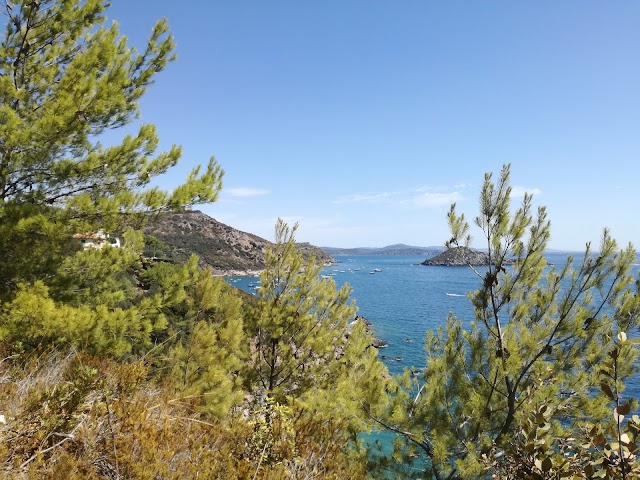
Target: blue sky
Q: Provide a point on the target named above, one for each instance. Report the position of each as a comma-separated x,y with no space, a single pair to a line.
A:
364,119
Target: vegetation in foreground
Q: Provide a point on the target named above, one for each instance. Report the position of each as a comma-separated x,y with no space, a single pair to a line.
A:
117,367
114,366
534,387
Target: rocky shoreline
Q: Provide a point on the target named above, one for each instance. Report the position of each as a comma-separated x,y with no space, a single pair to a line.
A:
216,272
236,273
368,326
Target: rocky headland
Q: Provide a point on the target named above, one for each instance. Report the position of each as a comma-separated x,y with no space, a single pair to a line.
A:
226,250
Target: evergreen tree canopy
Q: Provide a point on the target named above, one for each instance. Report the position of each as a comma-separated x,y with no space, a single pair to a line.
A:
301,322
541,341
306,353
66,77
170,367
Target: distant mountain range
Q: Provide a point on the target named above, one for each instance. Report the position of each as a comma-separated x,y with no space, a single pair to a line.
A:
396,249
402,249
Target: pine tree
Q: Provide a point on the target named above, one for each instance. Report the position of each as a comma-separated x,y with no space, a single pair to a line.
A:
66,78
210,345
305,353
301,322
541,336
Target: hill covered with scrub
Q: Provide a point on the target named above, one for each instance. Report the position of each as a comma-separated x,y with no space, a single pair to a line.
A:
226,250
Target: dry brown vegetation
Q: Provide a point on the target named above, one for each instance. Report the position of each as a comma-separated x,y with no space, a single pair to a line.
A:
74,416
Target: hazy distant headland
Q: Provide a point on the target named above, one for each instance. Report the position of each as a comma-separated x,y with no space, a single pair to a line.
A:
396,249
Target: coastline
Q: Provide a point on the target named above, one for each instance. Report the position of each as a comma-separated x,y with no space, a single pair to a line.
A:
232,272
237,273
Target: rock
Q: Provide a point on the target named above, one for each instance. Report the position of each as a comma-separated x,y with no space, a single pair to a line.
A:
460,256
376,342
379,343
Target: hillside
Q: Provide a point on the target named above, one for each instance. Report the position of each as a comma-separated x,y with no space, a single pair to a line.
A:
227,250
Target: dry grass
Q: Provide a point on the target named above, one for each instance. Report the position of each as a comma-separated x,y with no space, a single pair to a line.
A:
77,417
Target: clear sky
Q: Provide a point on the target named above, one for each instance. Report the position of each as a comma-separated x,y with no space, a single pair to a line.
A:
364,119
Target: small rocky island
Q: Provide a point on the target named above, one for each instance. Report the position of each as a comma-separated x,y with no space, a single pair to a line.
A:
459,257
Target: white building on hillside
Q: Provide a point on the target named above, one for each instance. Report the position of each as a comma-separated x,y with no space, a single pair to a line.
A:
97,240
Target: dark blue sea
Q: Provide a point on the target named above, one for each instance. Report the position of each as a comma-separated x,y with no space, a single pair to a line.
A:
403,300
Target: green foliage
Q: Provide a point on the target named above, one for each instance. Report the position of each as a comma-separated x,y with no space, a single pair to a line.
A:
306,355
99,276
540,337
66,77
209,347
305,347
301,323
32,320
165,364
607,450
32,245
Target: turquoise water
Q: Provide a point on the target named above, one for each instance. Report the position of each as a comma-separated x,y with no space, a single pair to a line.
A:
404,300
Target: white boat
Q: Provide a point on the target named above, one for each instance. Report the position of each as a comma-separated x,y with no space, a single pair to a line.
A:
377,270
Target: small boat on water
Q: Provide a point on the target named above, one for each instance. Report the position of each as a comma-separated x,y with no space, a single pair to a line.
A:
377,270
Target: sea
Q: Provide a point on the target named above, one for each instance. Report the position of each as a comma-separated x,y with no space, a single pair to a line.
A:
403,299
